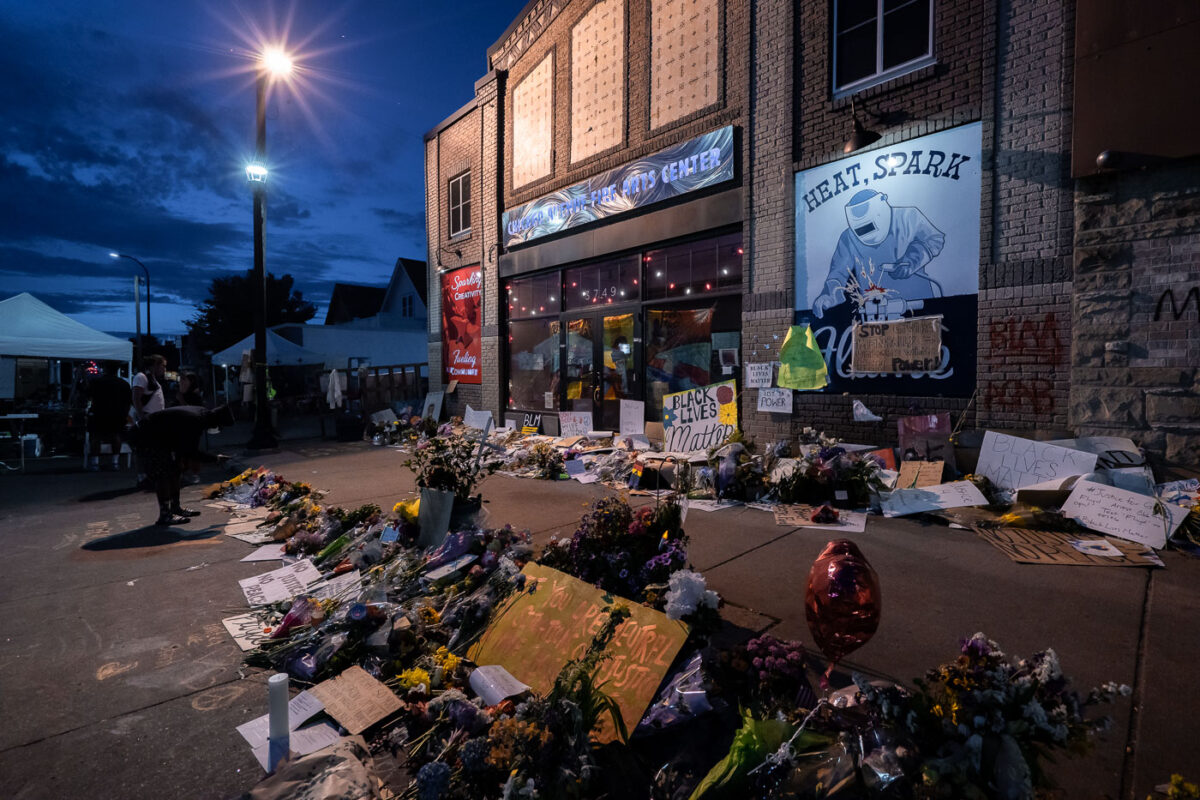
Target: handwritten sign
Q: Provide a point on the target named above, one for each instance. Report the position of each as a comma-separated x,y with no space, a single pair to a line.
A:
919,474
1122,513
356,700
633,417
758,375
476,419
898,346
574,423
800,516
531,423
247,630
1011,462
553,621
775,401
931,498
698,419
279,584
1027,546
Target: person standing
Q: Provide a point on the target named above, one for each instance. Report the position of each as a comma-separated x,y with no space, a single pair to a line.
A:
169,439
108,415
188,392
148,398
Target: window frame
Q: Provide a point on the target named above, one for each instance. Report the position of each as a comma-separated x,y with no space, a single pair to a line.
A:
880,75
465,229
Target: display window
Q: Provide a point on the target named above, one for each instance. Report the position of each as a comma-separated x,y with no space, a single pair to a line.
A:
533,364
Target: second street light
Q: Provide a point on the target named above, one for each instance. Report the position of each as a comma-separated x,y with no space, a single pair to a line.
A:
273,64
143,266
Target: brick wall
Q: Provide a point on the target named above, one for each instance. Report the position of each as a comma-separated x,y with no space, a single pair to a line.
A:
1136,334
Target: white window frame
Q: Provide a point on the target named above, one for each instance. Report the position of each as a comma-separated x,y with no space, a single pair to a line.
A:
466,229
880,75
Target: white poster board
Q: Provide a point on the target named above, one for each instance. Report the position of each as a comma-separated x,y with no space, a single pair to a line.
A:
574,423
633,417
775,401
1011,462
932,498
1122,513
279,584
698,419
476,419
759,375
432,407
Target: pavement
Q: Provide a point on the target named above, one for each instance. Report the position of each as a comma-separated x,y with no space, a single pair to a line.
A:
118,680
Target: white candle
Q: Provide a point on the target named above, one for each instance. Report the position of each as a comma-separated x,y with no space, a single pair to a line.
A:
277,693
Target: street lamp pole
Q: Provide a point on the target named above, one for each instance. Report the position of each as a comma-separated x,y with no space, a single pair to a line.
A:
147,275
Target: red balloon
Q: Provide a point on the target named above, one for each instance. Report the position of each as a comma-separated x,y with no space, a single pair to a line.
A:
842,603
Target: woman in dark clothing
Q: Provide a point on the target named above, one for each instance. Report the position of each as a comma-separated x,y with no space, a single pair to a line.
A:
169,439
189,391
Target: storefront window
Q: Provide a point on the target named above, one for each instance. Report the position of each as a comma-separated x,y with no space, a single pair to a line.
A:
678,352
533,364
533,297
601,284
694,268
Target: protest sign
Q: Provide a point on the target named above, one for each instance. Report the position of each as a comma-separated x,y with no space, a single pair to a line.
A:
247,630
758,375
1129,515
801,362
931,498
1011,462
574,423
268,552
799,515
531,423
698,419
476,419
432,407
355,699
775,401
280,584
554,619
1026,546
919,474
898,346
633,418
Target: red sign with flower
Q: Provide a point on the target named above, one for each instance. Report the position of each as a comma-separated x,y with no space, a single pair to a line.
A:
460,324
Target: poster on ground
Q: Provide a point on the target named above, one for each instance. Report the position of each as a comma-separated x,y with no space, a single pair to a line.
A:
460,324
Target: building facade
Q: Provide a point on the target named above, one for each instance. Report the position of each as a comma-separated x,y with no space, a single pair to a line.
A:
645,195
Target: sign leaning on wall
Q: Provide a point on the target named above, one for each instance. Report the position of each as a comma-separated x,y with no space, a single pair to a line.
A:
887,235
460,324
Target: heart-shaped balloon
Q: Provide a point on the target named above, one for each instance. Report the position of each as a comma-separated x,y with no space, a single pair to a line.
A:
842,603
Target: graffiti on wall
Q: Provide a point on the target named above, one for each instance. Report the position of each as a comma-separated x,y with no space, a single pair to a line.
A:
1030,396
1191,298
1028,336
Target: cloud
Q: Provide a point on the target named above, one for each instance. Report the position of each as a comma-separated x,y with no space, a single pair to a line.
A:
406,222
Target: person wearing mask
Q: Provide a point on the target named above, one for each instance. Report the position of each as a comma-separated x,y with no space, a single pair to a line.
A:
167,440
110,399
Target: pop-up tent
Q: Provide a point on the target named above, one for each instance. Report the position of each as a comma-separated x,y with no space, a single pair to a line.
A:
280,352
29,327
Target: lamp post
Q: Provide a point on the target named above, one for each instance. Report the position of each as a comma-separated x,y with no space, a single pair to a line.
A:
147,272
274,63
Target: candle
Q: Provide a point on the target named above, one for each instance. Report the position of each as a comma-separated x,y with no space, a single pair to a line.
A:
278,741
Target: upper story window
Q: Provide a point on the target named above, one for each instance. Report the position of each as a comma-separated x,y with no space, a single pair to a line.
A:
406,306
460,204
876,40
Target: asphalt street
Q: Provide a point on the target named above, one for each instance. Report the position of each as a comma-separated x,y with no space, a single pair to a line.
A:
117,678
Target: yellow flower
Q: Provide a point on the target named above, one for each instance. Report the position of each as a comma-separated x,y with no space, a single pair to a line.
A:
411,678
429,615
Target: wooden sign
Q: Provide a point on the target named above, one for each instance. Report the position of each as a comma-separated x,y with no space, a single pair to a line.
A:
356,700
1051,547
554,619
898,346
698,419
919,474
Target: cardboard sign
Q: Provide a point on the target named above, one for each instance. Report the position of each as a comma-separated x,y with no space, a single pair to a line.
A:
898,346
931,498
531,423
1132,516
775,401
1051,547
432,407
1011,462
553,621
698,419
800,516
476,419
758,375
356,700
246,630
633,417
280,584
919,474
574,423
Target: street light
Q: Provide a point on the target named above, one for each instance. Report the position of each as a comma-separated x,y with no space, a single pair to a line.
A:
143,266
274,63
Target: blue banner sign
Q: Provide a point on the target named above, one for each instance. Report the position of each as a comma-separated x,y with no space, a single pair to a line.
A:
695,164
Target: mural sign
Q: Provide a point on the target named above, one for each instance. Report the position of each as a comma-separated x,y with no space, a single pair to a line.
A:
698,419
460,324
889,235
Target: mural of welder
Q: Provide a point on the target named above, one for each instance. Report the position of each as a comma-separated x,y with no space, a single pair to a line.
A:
883,245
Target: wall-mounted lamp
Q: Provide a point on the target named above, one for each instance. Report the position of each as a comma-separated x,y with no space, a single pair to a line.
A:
860,137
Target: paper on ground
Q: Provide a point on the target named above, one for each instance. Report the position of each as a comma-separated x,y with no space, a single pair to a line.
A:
268,552
339,587
302,742
246,630
279,584
1096,547
800,516
1011,462
587,477
356,700
931,498
493,683
713,505
1128,515
300,708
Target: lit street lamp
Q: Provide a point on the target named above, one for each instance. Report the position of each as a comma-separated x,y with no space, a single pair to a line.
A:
273,64
143,266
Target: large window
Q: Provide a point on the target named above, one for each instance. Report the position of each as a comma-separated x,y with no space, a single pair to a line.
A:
533,368
601,284
460,204
876,40
533,297
694,269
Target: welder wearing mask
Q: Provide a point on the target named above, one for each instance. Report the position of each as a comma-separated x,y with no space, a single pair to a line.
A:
897,242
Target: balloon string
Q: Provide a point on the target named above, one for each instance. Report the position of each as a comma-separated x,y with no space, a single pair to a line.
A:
785,752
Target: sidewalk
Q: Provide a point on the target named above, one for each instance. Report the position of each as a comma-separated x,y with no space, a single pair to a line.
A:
123,645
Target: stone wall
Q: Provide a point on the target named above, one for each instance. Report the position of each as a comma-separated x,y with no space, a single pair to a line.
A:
1136,330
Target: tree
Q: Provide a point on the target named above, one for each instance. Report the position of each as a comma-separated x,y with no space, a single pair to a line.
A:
227,316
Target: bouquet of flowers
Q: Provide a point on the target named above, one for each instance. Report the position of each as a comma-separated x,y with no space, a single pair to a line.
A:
449,462
826,469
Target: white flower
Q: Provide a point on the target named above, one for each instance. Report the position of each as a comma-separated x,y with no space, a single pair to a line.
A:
686,592
1048,667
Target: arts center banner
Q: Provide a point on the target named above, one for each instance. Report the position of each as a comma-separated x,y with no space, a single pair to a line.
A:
460,324
887,235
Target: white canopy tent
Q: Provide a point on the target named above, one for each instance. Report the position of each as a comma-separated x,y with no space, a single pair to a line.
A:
29,327
280,352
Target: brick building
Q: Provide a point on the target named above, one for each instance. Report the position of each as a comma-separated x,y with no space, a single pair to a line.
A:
642,186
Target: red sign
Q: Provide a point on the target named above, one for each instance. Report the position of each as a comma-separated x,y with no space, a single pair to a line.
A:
460,324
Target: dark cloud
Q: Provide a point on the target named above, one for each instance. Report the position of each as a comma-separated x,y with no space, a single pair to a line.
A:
408,222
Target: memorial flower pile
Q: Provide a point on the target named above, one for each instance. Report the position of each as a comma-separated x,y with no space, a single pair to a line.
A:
450,462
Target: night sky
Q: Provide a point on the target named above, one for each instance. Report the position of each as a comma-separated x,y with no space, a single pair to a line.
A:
128,125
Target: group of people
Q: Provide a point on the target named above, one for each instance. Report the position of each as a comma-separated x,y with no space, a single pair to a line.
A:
165,438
